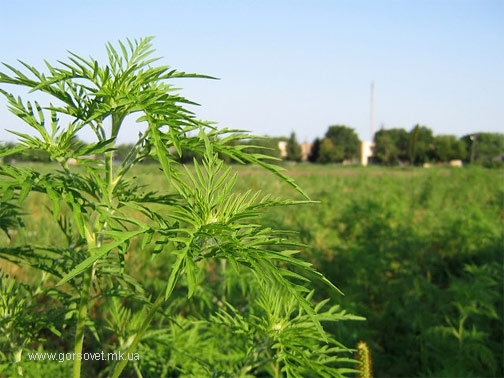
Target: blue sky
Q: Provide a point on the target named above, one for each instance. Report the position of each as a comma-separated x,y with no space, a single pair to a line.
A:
293,65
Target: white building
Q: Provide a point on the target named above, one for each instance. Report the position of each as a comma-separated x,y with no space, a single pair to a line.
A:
366,152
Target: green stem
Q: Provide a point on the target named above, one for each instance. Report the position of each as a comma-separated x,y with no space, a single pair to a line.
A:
143,328
82,316
109,176
276,370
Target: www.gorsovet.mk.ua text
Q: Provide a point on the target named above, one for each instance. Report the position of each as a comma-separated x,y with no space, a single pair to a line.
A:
85,356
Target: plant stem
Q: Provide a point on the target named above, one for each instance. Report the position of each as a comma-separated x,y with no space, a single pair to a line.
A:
143,328
81,321
276,369
109,177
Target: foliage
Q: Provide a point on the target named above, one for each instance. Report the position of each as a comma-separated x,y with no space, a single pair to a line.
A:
345,140
329,153
106,218
268,336
403,244
293,149
391,146
449,147
485,149
421,145
419,254
395,146
313,157
35,155
26,314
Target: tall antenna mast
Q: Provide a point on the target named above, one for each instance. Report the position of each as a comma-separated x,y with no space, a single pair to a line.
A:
371,120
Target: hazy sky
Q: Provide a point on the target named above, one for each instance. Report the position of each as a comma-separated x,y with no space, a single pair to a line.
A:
292,65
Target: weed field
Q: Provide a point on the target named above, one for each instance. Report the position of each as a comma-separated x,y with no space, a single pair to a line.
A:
417,252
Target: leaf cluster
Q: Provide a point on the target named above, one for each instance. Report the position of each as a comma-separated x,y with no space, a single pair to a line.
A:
101,211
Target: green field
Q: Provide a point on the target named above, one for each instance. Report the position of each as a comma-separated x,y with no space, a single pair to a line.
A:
417,252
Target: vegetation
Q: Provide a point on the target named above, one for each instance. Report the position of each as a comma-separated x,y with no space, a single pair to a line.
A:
364,358
421,145
397,146
417,252
314,151
449,147
220,272
265,145
391,146
293,149
340,143
485,149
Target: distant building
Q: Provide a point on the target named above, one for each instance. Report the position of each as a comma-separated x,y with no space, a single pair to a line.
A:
305,150
366,152
282,146
456,163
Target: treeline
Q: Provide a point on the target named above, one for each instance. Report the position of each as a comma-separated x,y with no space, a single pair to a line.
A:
341,144
415,147
420,146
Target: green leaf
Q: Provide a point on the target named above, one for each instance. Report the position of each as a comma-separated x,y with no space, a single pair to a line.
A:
175,272
55,198
25,190
77,216
190,270
98,253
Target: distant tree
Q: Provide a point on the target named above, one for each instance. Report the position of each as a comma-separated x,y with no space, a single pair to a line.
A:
391,146
384,150
293,149
449,147
39,156
484,148
313,157
345,140
421,145
329,153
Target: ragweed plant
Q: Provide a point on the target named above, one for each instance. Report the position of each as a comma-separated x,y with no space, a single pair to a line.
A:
364,358
102,211
22,321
